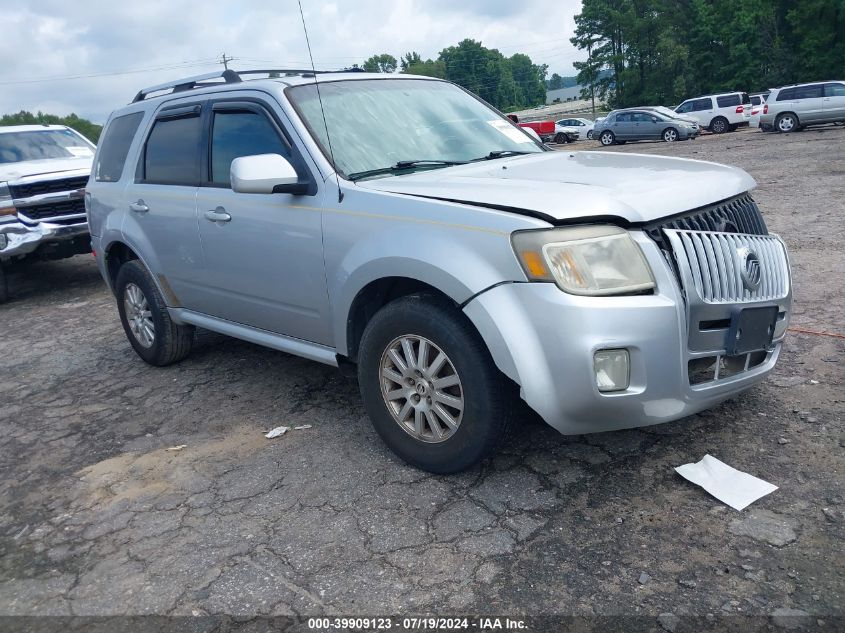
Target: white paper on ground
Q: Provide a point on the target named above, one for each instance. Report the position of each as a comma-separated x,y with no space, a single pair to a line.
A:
732,486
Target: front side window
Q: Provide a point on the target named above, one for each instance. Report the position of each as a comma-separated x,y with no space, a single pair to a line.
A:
377,124
624,117
115,146
172,152
18,147
239,133
834,90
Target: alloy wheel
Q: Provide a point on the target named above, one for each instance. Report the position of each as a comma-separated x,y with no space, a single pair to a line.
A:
607,138
786,123
670,135
138,315
421,388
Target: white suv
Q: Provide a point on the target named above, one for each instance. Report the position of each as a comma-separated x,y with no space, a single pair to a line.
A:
719,113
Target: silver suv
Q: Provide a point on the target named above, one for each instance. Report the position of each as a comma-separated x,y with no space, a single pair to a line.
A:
794,107
401,225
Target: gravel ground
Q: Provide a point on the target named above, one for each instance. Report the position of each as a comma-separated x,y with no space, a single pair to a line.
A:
97,518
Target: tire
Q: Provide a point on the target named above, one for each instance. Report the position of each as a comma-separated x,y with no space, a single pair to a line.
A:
561,138
138,299
4,288
484,394
670,135
719,125
607,138
590,135
787,122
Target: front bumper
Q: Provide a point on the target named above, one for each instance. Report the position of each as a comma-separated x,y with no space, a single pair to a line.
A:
545,340
19,239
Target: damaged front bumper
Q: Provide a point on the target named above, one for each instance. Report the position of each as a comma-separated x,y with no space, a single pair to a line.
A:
18,239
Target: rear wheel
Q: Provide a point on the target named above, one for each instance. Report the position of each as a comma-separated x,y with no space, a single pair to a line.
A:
154,336
607,138
429,385
670,135
786,122
719,125
590,135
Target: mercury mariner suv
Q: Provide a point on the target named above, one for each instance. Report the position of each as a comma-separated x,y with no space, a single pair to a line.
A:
43,171
401,225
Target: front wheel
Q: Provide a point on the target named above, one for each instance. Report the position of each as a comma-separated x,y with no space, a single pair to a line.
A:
670,135
561,138
429,385
607,138
143,313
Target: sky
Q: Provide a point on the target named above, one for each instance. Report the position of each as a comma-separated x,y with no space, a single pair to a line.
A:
91,56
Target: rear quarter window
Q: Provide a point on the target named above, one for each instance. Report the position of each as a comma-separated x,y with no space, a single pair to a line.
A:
728,101
114,147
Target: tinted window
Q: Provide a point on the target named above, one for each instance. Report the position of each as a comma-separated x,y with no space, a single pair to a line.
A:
642,117
834,90
787,94
241,133
623,117
172,153
728,101
756,100
702,104
745,98
809,92
115,146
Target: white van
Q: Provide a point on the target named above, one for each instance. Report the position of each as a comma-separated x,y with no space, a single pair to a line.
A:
719,113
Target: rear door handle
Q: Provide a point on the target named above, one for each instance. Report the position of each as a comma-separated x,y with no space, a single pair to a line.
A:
218,215
138,207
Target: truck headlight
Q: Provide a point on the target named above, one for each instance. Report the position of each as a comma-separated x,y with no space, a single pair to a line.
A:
6,207
584,260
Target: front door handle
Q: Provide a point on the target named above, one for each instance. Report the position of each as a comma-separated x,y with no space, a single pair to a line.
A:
218,215
138,207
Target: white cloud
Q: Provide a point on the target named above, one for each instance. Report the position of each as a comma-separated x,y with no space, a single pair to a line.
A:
163,40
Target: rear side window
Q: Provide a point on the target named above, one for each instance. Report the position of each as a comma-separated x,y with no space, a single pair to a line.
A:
115,146
809,92
241,133
728,101
834,90
787,94
171,156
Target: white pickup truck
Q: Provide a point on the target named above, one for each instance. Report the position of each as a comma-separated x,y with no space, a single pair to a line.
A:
43,173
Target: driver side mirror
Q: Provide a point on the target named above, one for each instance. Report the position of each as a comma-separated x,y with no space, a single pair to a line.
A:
265,173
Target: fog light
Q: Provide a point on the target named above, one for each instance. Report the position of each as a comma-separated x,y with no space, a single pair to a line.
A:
611,367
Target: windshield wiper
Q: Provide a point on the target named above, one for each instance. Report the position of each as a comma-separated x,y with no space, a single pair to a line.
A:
501,153
404,165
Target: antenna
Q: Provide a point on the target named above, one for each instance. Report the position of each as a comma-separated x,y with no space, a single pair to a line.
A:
320,99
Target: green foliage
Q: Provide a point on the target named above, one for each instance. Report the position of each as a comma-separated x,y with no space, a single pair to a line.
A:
383,63
663,51
89,130
505,82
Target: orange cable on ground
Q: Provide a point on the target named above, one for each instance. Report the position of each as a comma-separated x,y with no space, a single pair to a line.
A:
806,331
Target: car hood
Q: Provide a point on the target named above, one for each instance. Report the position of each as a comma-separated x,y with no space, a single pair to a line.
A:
561,186
16,171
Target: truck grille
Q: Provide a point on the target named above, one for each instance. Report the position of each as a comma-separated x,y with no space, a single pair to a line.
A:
722,266
48,186
737,215
50,210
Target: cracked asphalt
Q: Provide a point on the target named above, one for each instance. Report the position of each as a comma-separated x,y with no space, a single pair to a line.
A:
98,518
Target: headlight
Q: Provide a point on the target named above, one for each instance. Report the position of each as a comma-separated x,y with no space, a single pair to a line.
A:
584,260
6,207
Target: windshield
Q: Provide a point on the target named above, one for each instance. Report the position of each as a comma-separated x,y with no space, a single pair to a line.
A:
17,147
375,124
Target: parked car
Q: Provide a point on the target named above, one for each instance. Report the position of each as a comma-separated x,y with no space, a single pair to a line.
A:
583,126
622,126
565,134
543,130
607,291
718,113
794,107
43,172
757,103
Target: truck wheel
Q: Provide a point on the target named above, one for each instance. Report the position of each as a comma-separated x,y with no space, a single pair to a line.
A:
607,138
719,125
143,313
670,135
786,122
429,385
4,288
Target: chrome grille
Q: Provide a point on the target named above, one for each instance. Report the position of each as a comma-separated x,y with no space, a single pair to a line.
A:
711,264
42,187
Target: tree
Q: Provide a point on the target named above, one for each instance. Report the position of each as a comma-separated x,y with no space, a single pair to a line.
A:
410,59
384,63
555,82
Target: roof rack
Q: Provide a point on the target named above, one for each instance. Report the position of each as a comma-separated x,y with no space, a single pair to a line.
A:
229,77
